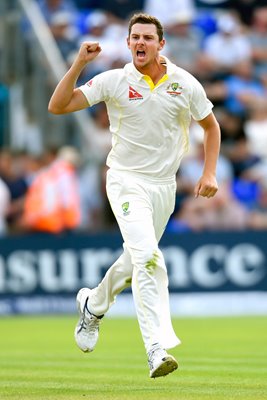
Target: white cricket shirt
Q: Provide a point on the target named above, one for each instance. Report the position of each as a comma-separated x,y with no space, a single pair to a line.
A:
149,124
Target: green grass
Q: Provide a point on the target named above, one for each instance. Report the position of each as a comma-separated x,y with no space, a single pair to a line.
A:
220,358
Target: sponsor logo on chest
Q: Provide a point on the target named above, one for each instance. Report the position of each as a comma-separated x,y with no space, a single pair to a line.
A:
134,95
173,89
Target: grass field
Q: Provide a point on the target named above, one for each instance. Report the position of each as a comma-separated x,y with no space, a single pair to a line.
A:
220,358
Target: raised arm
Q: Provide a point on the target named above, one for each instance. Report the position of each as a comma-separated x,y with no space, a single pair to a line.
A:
66,98
207,185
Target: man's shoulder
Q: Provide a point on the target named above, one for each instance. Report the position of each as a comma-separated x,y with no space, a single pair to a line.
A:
111,73
188,81
174,69
110,77
181,72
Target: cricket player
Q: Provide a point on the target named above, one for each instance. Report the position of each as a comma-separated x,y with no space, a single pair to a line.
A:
150,103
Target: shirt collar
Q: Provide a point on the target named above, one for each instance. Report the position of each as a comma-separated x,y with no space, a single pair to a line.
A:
131,70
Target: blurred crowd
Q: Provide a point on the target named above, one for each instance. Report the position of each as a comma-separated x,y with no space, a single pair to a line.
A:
224,45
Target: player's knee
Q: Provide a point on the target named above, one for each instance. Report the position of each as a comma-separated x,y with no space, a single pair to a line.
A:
149,260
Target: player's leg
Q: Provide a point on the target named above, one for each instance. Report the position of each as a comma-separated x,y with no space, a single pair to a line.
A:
163,206
92,304
133,206
117,278
160,362
119,275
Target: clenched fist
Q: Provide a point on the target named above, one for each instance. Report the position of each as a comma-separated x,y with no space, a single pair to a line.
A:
89,51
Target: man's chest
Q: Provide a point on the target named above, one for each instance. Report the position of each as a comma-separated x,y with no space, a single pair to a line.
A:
169,99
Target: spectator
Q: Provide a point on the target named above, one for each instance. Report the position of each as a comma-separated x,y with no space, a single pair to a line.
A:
239,91
256,129
50,7
95,206
191,168
246,8
100,136
258,216
65,33
183,42
167,13
12,172
223,213
91,199
257,173
4,207
234,145
232,132
205,20
226,47
52,203
258,39
110,36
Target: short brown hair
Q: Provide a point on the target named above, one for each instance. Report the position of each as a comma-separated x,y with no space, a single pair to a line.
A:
143,18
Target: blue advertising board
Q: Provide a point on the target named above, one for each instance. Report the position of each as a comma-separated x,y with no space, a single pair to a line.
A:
42,273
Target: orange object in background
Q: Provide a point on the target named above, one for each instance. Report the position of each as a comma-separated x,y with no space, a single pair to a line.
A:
52,203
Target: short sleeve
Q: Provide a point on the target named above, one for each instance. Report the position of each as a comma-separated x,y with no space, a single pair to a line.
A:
200,105
96,89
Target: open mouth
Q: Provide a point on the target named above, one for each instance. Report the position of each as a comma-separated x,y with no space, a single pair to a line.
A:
140,53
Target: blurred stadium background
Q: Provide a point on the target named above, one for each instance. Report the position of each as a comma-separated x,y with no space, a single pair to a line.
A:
215,249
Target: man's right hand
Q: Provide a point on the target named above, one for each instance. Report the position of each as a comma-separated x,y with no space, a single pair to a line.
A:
89,51
66,98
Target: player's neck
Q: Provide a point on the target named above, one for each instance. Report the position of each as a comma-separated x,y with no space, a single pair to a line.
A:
155,71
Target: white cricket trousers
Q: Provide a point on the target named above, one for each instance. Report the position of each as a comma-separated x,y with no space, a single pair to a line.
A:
142,208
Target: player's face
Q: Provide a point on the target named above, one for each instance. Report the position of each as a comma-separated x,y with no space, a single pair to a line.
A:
144,44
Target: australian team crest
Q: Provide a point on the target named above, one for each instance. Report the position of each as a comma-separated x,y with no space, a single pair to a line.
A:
125,208
174,86
174,89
